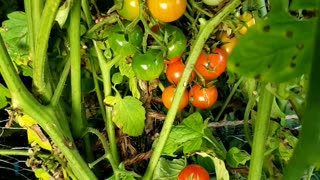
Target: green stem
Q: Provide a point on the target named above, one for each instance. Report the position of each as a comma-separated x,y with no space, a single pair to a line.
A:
77,122
86,12
60,86
235,87
106,76
193,56
42,87
44,116
260,132
250,105
12,152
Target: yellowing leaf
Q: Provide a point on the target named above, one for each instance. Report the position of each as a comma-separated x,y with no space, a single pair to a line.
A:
42,174
220,168
26,121
35,135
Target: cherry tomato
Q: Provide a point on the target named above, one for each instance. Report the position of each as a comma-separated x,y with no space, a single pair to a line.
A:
177,41
124,43
129,10
172,60
167,97
249,20
193,172
211,66
174,72
203,97
167,10
228,43
148,66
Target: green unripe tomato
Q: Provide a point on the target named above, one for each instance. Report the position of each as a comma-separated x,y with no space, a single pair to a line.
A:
148,66
177,41
129,10
212,2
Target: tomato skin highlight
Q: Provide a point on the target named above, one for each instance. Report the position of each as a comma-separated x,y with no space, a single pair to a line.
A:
203,97
211,66
193,172
148,66
130,9
167,98
167,10
174,72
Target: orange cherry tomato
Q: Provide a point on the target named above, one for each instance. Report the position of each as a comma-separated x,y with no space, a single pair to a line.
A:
174,72
167,10
167,97
203,97
211,66
249,20
193,172
228,43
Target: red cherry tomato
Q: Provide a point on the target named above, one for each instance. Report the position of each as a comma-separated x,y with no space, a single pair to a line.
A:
167,97
193,172
211,66
203,97
174,72
167,10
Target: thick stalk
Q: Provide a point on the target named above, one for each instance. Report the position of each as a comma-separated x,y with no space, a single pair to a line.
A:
77,122
44,116
193,56
260,132
106,76
41,84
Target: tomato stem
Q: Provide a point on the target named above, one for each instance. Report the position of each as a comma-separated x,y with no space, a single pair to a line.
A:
194,54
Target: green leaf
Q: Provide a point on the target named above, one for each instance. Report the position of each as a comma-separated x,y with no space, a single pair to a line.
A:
303,4
134,87
42,174
221,171
188,135
168,170
117,78
236,156
63,12
129,115
276,49
125,68
4,92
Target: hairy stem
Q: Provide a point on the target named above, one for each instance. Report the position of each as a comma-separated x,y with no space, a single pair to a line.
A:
260,132
193,56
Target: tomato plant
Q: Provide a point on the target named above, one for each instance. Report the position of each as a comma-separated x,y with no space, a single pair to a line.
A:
167,97
211,66
148,66
203,97
193,172
167,10
174,72
129,9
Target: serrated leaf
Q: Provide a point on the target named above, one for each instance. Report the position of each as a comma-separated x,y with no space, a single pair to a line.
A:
129,115
35,135
275,50
190,130
168,170
134,87
63,12
236,156
220,168
125,68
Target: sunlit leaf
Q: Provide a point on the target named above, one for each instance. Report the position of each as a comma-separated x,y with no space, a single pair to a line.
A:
168,169
236,156
220,168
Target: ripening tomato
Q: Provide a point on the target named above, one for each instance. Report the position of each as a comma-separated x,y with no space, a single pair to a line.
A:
228,42
167,97
193,172
249,20
211,66
174,72
167,10
203,97
172,60
148,66
129,10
